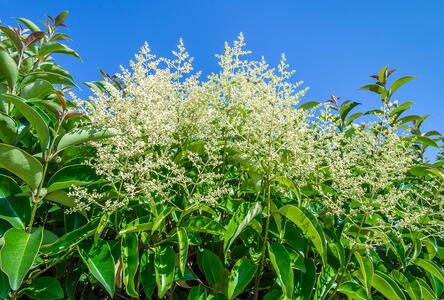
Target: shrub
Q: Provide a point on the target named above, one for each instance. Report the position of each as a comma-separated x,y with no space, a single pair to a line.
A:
227,187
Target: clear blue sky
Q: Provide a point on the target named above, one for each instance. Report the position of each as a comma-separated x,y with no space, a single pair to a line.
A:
334,45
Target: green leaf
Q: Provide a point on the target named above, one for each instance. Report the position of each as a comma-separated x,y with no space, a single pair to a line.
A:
21,164
51,77
212,267
36,89
426,291
182,238
45,288
366,271
29,24
217,296
71,175
239,221
15,210
409,284
280,259
18,254
304,219
161,217
376,88
203,224
33,118
54,68
61,197
100,262
82,135
8,129
13,37
308,279
387,286
197,293
8,68
70,239
60,18
353,290
241,275
430,267
130,260
4,285
147,272
164,265
309,104
49,48
400,82
346,107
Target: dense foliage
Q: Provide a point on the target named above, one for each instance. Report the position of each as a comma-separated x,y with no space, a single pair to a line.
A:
166,184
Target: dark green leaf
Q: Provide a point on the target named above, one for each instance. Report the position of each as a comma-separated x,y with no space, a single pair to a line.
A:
100,262
280,259
15,210
33,117
61,18
45,288
147,272
197,293
72,175
212,267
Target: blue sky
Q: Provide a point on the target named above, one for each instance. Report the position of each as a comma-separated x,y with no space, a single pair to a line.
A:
333,45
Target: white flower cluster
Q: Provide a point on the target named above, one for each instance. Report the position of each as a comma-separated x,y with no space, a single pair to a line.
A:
179,133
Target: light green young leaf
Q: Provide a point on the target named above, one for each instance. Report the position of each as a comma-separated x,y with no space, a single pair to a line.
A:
21,164
366,271
400,82
353,290
18,254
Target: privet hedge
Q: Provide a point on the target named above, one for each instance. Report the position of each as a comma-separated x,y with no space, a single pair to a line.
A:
168,184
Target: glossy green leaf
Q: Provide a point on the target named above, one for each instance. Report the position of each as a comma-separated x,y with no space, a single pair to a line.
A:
353,290
4,285
203,224
31,25
280,259
387,286
36,89
33,118
366,271
54,78
21,164
8,68
70,239
182,238
304,219
426,291
241,275
45,288
161,217
410,285
164,265
49,48
197,293
82,135
147,272
430,267
8,129
72,175
245,213
15,210
217,297
18,254
130,260
100,262
400,82
212,267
